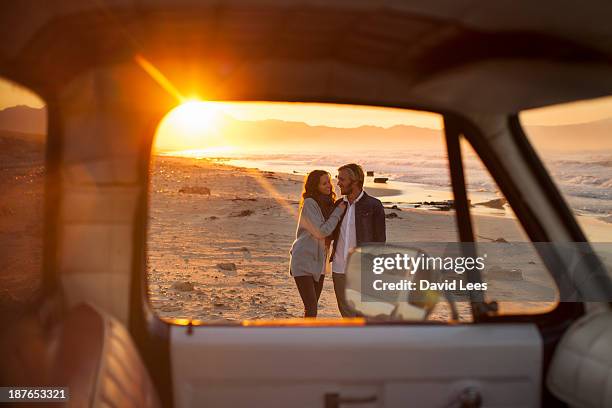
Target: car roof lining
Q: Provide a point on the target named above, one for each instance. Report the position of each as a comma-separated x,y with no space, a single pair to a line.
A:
393,54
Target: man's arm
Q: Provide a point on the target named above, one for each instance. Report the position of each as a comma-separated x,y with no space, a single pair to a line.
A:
380,228
334,235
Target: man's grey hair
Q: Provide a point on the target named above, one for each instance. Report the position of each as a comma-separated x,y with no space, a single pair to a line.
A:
355,171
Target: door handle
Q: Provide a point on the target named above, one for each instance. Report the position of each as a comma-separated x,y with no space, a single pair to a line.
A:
333,400
470,397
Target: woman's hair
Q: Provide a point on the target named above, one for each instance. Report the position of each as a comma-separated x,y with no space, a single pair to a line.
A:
311,190
311,185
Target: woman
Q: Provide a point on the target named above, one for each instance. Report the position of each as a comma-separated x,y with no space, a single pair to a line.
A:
318,219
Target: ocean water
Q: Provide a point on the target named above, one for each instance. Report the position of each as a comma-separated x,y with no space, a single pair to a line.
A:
585,179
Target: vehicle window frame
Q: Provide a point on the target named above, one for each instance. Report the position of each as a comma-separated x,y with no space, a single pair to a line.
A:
563,311
563,314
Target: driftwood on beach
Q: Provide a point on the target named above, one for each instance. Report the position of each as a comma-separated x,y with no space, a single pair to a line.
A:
195,190
497,203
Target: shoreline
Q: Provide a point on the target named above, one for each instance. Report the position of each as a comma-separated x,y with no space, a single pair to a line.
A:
387,190
414,181
595,223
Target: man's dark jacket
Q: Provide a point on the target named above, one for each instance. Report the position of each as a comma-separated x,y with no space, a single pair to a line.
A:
369,222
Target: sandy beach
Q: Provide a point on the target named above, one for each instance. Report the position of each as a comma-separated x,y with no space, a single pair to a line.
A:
21,219
219,240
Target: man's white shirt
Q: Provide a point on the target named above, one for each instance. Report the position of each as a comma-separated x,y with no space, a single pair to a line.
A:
347,238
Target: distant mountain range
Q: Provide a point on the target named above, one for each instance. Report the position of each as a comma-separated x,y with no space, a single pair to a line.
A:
585,136
24,119
595,135
281,134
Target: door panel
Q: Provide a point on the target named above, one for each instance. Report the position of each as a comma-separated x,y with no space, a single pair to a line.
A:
420,365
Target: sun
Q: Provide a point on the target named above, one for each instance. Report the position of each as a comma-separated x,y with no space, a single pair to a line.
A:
193,125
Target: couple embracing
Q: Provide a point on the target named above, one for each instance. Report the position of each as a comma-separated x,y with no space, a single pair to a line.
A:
341,225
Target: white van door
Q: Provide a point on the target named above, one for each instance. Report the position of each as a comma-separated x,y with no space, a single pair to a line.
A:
466,365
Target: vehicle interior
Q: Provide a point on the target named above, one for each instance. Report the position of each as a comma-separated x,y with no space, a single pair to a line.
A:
110,70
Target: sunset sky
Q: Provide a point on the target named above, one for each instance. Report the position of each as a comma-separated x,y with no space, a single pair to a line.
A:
12,95
214,125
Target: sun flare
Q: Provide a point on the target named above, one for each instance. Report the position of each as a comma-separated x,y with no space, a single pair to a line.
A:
193,124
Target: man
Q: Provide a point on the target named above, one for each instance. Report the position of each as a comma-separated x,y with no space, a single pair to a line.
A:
362,222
